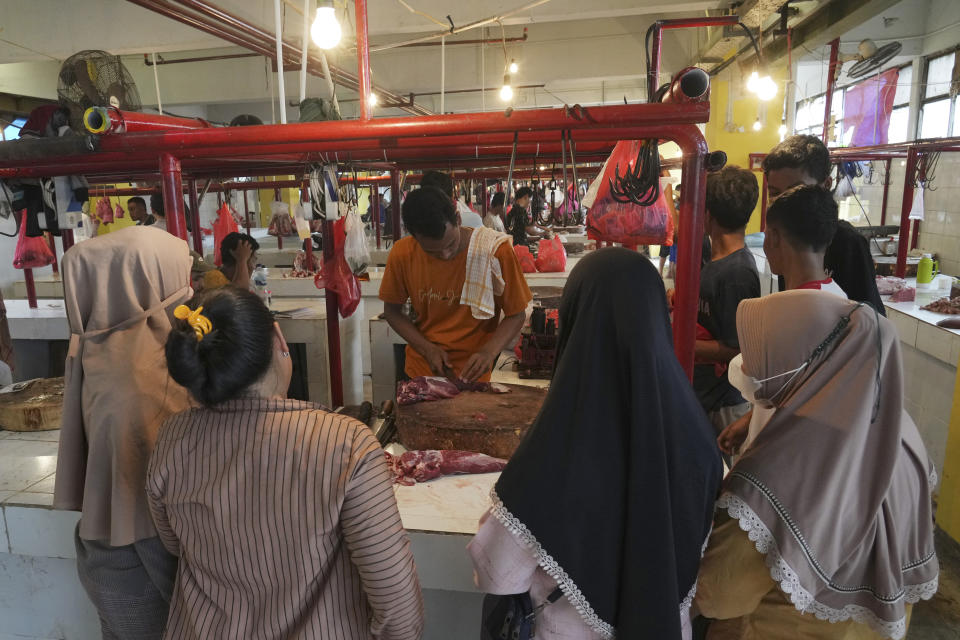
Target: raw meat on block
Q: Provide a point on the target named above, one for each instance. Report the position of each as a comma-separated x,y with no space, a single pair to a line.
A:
429,388
420,466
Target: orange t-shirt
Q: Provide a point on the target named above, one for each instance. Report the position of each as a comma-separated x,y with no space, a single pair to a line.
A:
434,288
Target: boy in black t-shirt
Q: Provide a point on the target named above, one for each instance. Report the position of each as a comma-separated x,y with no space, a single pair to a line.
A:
729,277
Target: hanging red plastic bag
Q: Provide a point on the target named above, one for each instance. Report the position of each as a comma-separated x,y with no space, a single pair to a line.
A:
527,263
336,275
223,226
624,222
551,256
31,253
104,212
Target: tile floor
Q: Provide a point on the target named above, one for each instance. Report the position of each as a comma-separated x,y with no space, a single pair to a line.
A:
28,462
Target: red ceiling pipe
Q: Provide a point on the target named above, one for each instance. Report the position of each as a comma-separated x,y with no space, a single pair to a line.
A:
908,186
173,196
363,59
31,288
653,80
195,217
395,203
104,120
690,85
831,87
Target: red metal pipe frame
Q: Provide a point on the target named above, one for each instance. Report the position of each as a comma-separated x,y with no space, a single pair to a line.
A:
911,172
31,288
395,204
363,59
831,87
763,203
118,121
246,211
653,80
375,211
173,196
53,249
195,217
886,192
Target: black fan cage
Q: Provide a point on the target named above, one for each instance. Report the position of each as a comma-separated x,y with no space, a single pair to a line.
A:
93,79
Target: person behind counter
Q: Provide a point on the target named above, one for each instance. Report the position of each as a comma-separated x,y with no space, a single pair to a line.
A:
729,277
137,208
282,514
458,329
804,159
612,489
516,223
835,491
119,292
238,252
494,218
442,181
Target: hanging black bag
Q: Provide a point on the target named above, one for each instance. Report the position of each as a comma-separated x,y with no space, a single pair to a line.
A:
512,617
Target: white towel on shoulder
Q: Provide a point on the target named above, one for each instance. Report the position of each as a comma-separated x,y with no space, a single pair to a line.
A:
484,277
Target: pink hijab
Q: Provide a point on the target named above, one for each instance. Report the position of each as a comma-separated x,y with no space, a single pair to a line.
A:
835,490
120,291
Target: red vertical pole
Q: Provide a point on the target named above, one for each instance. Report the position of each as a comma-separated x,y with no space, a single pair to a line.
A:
654,78
31,288
246,210
886,192
911,174
375,210
67,238
363,58
395,203
831,86
173,195
484,203
763,204
276,196
195,217
693,193
53,249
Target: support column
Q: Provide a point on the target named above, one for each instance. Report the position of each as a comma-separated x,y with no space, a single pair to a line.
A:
173,196
395,203
195,216
375,211
693,193
363,59
831,87
911,172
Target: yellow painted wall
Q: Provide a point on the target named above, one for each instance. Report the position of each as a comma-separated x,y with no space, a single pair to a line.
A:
125,221
948,506
290,196
740,140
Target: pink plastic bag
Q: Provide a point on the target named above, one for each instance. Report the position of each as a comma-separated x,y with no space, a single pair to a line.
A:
335,274
551,256
31,253
625,222
527,263
223,226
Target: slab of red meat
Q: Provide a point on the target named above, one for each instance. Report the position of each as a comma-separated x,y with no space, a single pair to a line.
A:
419,466
429,388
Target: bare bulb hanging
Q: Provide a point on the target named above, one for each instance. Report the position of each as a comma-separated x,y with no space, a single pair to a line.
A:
506,91
513,66
326,31
757,126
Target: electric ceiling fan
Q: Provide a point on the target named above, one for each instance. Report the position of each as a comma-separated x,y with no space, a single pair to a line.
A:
869,57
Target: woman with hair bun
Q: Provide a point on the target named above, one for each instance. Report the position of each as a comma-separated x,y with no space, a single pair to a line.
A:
282,514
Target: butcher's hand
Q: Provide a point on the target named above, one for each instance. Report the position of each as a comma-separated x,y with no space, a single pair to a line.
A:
479,365
731,438
437,359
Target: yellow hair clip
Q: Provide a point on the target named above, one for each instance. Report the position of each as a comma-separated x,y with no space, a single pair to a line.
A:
195,318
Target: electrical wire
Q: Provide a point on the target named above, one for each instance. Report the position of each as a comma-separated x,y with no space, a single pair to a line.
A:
425,15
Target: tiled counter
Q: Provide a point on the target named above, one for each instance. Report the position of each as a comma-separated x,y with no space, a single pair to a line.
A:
41,597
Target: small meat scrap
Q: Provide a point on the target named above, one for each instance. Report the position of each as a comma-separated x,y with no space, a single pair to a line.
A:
907,294
479,415
430,388
947,306
412,467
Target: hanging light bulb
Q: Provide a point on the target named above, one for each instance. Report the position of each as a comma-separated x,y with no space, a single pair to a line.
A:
767,88
757,126
326,31
513,66
782,130
753,81
506,91
542,168
372,100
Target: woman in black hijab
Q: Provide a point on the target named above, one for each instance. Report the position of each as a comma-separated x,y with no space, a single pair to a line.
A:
610,496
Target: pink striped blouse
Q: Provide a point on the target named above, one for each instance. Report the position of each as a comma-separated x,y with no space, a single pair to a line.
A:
285,523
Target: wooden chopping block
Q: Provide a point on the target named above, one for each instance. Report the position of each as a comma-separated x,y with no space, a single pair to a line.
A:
490,423
34,405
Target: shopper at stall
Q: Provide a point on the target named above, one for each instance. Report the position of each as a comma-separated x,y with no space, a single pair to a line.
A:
729,277
516,223
833,497
119,292
442,181
282,514
137,208
430,268
592,501
494,218
158,212
238,252
804,159
199,271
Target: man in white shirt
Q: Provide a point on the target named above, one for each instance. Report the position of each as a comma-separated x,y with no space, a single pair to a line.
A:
443,182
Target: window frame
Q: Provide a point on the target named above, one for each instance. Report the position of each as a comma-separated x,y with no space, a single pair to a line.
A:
952,100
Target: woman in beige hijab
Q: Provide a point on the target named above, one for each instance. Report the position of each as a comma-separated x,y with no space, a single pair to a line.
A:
120,291
826,521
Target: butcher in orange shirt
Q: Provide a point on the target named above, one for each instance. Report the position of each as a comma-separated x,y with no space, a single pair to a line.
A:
429,268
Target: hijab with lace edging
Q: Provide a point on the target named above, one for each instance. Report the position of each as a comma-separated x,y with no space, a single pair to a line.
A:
613,487
835,490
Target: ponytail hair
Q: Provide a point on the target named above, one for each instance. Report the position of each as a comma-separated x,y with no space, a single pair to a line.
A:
232,356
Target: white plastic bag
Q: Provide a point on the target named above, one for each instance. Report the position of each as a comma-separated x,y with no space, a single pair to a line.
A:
355,246
916,211
300,218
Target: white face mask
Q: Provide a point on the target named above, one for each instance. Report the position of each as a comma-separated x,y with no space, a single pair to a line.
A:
748,386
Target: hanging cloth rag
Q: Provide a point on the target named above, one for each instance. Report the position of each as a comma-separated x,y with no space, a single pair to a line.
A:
484,278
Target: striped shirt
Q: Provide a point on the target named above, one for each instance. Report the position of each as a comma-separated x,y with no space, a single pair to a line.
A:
285,523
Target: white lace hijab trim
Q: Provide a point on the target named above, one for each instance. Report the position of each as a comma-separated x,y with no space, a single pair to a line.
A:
789,582
555,571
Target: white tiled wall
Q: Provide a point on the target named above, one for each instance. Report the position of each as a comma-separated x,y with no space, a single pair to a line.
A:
940,230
